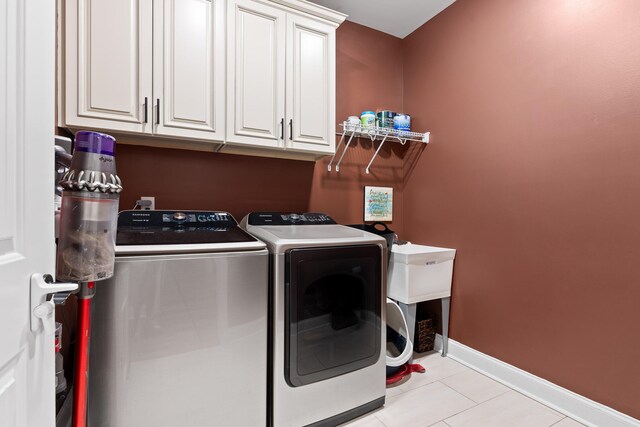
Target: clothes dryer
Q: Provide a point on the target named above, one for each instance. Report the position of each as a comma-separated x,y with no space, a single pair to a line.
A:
327,287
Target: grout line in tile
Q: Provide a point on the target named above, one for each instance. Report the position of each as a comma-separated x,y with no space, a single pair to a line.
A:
398,387
439,380
416,388
449,376
457,392
517,391
477,404
501,394
543,404
498,395
378,418
402,391
561,419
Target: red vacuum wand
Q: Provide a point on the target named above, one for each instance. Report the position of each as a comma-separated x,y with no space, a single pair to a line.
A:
81,363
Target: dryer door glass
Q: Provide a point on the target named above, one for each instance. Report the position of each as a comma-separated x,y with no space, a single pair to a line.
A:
333,311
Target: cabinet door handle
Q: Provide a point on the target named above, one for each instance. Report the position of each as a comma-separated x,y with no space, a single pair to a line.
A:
291,129
146,109
282,128
158,108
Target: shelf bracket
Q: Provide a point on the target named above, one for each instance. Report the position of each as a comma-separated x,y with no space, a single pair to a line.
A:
376,153
344,152
344,132
372,134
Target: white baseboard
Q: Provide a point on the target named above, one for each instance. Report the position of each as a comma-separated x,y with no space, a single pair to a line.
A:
562,400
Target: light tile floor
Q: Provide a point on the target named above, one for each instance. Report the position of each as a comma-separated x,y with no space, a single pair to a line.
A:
449,394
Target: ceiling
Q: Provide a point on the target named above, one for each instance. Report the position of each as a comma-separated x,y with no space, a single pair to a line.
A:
398,18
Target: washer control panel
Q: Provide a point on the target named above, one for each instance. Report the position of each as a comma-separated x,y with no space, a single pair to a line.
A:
178,228
175,219
289,218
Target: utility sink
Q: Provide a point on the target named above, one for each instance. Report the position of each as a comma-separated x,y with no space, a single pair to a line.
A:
420,273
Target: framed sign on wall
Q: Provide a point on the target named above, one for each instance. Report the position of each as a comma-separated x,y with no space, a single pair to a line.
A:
378,203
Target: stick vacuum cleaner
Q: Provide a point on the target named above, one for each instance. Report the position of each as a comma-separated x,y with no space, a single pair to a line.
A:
86,246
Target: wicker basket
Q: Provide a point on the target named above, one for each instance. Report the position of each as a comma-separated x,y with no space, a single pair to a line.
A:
425,335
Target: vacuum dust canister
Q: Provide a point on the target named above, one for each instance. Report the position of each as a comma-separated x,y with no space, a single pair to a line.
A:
89,211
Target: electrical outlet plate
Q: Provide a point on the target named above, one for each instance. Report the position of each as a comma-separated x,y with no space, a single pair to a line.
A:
152,200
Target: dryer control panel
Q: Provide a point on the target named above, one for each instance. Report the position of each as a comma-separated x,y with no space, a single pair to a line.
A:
289,218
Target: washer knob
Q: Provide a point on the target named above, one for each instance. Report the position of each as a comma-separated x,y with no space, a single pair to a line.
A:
179,216
294,217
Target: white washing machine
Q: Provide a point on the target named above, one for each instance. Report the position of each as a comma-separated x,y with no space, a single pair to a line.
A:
179,334
328,281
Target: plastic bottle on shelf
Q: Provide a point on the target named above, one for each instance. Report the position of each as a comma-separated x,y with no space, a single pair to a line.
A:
368,119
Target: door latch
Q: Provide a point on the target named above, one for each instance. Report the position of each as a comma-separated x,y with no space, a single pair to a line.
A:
43,309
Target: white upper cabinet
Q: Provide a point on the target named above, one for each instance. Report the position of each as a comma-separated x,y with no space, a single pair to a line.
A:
310,93
281,75
108,64
188,71
144,66
256,74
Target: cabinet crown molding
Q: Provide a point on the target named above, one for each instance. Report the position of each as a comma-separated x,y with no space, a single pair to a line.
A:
313,9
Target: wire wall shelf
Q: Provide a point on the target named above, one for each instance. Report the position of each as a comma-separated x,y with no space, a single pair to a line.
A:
350,130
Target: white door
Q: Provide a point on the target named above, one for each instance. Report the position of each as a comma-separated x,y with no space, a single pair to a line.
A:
311,85
255,74
27,395
108,61
188,72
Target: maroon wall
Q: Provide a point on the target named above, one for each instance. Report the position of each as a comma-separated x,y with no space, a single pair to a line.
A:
364,82
183,179
533,175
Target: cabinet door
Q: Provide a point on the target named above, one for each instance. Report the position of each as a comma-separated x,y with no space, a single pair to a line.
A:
311,85
108,60
255,74
188,72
